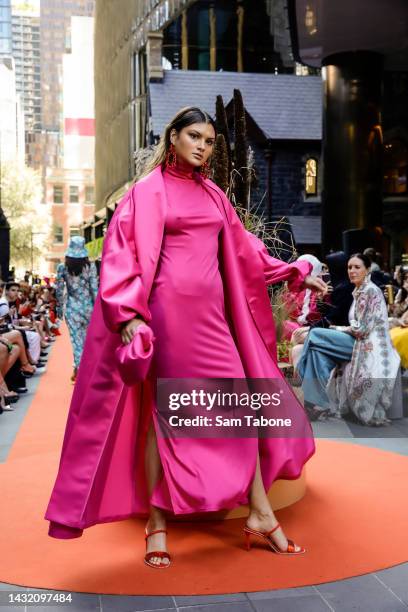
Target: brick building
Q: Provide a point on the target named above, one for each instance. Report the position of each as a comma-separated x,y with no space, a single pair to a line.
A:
69,188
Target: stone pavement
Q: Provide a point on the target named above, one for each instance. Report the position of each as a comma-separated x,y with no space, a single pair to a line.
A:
383,591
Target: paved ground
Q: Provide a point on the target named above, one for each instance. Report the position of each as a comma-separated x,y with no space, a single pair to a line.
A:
383,591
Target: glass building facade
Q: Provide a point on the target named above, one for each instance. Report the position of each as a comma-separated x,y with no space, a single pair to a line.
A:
5,28
54,42
26,53
232,35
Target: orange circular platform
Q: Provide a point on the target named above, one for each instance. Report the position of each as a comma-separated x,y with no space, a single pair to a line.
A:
355,505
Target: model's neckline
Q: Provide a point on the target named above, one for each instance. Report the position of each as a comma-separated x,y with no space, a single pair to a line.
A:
185,172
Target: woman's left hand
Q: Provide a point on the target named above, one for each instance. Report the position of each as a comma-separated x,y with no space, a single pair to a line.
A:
404,319
315,284
299,335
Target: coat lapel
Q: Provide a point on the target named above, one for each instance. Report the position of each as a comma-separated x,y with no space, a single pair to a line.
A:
150,214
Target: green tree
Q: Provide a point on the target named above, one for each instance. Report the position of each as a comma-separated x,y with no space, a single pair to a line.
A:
29,219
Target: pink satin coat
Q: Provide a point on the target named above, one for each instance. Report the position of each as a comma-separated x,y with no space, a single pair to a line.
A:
101,472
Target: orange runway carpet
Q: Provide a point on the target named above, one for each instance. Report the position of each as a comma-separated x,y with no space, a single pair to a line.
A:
352,521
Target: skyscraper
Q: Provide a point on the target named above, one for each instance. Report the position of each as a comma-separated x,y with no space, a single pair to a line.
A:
70,188
26,53
55,40
5,28
11,116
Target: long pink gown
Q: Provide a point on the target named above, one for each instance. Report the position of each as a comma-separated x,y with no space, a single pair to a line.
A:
182,248
193,340
187,297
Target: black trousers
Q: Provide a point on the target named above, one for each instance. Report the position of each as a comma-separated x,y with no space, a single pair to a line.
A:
14,379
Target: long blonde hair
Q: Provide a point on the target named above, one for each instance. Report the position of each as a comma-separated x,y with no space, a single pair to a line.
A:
185,117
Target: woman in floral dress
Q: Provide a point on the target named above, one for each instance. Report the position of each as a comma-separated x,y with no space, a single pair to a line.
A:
352,368
80,278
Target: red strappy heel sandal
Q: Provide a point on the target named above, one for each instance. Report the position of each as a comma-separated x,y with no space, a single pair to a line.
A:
156,553
291,549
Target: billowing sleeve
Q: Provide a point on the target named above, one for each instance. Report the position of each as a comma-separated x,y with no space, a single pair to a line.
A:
93,281
121,290
59,290
275,270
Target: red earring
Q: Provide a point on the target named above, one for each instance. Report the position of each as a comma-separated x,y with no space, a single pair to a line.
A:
171,156
205,170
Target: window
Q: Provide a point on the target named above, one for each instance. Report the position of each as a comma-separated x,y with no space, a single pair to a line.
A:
5,30
5,46
89,194
172,44
4,13
223,35
311,177
88,234
58,197
139,73
395,167
73,194
139,106
74,231
58,234
198,26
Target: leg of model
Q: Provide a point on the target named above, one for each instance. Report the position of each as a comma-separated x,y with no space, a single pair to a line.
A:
261,516
77,340
157,519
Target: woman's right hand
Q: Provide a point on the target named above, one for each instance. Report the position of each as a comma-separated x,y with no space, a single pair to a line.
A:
129,329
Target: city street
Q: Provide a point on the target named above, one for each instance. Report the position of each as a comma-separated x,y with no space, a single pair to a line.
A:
384,590
204,305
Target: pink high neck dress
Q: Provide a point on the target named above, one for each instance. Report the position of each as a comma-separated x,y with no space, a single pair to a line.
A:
187,297
193,340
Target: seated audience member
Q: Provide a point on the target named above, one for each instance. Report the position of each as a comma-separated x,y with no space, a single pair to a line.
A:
379,276
30,328
373,257
399,322
352,368
25,325
9,353
335,310
25,313
18,338
303,306
399,337
400,305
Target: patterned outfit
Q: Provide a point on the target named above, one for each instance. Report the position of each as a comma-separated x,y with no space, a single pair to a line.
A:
358,372
81,296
